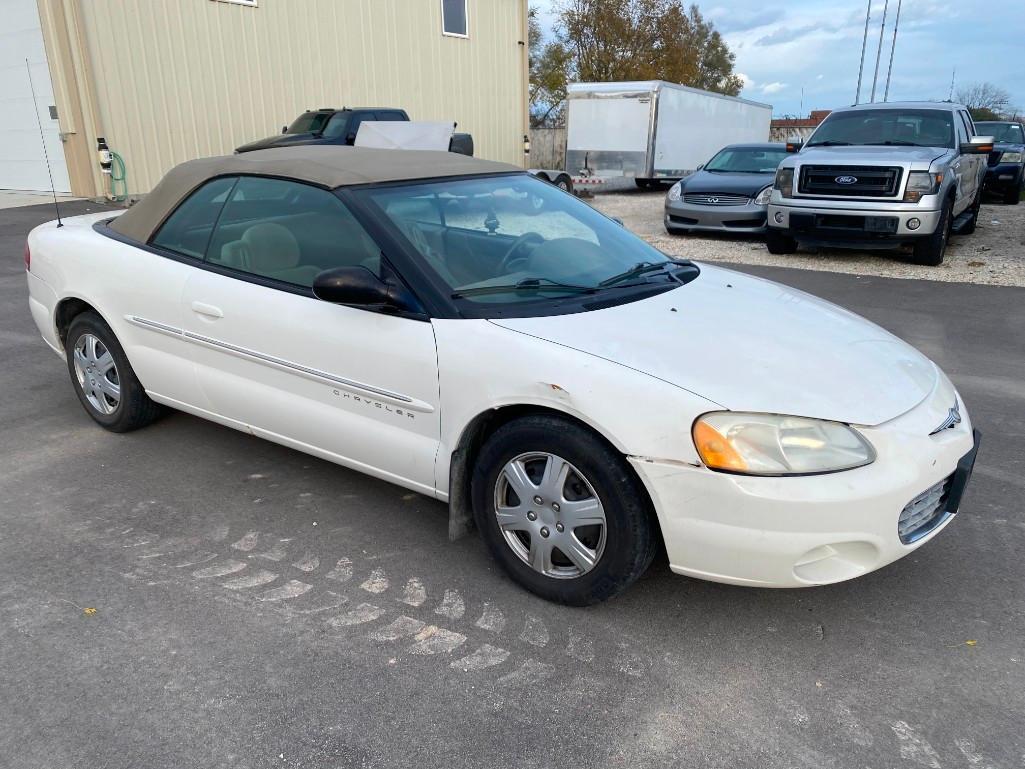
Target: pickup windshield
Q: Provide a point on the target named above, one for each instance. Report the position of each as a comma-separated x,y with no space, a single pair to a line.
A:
309,123
898,127
1002,133
747,160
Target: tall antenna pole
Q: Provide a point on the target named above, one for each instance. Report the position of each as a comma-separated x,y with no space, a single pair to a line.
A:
879,50
893,47
42,138
864,42
953,74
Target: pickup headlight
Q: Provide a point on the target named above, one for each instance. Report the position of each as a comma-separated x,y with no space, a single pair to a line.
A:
762,198
675,191
921,183
785,181
770,444
1010,157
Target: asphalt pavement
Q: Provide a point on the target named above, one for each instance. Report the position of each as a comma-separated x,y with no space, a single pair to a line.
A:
191,596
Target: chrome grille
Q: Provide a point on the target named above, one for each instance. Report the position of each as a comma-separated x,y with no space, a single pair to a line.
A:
923,513
715,199
868,181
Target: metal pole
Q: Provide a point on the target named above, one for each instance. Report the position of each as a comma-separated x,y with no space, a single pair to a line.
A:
893,47
879,51
864,42
953,74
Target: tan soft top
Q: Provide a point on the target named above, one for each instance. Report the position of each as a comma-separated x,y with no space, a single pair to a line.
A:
325,166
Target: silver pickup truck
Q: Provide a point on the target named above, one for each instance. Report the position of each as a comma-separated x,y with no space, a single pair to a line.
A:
881,176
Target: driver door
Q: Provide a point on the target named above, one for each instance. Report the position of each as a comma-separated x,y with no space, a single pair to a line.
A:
354,386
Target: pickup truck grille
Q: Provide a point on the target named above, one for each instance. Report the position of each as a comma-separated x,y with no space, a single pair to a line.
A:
924,513
868,181
715,199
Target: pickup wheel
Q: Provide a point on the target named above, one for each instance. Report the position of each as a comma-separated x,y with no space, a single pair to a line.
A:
562,511
930,249
103,378
778,243
1013,196
968,228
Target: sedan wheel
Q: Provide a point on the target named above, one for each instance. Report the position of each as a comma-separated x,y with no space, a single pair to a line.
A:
97,374
549,515
561,510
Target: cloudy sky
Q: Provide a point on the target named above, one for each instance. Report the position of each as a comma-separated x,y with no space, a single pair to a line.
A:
815,45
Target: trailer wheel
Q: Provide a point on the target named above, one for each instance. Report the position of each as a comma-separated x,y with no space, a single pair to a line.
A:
645,184
564,182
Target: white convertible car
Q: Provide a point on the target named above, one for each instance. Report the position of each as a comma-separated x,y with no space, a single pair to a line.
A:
464,330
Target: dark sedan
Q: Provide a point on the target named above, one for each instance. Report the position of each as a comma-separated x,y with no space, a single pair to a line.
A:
728,194
1004,175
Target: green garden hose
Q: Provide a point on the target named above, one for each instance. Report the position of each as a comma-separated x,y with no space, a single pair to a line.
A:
118,178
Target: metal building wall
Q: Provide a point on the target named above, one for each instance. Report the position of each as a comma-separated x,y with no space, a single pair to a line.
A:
178,79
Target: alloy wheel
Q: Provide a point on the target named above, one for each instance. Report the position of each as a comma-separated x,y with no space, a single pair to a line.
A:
97,374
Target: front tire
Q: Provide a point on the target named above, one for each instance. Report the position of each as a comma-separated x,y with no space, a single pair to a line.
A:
778,243
1013,196
103,378
969,227
929,250
562,511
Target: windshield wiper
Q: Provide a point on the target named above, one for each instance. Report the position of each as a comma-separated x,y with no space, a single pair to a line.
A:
829,143
894,143
527,284
641,268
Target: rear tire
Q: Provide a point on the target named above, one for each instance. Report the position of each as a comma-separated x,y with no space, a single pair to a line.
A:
929,250
778,243
600,559
564,182
103,378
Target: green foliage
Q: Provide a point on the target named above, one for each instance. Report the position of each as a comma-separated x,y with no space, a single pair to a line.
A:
550,66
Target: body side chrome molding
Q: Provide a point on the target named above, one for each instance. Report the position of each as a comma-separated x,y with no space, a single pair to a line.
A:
272,360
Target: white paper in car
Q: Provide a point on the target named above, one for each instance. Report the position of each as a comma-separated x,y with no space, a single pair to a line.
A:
404,135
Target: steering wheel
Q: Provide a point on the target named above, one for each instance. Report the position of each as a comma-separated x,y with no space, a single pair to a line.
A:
512,255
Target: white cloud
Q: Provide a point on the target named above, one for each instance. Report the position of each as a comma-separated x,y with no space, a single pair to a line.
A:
774,87
747,82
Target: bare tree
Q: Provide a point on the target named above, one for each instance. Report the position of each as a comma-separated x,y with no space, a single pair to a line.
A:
984,100
550,64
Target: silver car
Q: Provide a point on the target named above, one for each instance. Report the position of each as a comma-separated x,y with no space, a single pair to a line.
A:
727,194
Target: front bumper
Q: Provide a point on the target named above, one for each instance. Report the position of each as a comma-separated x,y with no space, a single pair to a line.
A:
817,529
680,215
1003,177
855,225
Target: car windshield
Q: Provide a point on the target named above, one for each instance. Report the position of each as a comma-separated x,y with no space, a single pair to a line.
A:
516,239
309,123
1002,133
901,127
746,160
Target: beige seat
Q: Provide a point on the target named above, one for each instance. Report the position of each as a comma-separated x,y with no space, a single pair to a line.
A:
270,250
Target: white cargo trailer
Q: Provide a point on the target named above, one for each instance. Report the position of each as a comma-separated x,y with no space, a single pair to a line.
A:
653,130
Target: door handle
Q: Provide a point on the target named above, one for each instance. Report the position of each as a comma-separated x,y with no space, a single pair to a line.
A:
207,309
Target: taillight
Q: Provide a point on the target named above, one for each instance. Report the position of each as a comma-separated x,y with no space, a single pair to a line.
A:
28,257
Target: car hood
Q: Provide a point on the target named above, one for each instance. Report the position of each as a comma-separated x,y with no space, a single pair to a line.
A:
280,140
870,155
738,184
749,344
1009,147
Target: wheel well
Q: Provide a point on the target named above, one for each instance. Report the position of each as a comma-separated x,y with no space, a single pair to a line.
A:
464,459
543,176
67,311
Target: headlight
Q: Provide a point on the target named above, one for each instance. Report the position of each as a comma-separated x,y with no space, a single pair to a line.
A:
762,198
770,444
1010,157
921,183
675,191
785,181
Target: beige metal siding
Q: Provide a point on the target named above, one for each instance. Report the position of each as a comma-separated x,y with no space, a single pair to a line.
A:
188,78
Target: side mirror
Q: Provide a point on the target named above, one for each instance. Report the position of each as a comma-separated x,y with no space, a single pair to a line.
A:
795,144
350,138
699,168
284,129
977,145
359,287
617,220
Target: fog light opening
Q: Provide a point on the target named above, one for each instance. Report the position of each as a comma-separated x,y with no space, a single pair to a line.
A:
914,224
778,217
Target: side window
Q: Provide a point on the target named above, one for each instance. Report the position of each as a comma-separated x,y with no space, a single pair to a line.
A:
290,232
336,125
187,230
453,18
962,128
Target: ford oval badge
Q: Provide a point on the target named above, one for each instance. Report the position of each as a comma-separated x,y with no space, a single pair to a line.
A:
846,180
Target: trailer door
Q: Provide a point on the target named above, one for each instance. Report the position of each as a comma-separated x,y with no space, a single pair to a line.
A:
609,133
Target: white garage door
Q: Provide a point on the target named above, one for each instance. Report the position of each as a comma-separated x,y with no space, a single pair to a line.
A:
22,164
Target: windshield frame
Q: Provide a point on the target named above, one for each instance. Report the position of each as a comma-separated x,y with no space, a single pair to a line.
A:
853,113
437,296
312,116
